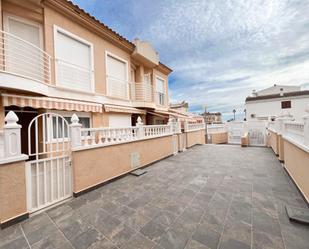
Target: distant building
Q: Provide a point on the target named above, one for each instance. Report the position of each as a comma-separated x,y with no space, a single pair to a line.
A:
274,100
183,106
212,117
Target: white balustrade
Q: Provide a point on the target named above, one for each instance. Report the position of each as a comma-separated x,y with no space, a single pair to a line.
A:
195,126
216,128
156,130
22,58
105,136
83,137
295,131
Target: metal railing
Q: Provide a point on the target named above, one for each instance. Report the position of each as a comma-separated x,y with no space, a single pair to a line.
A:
141,92
117,88
73,76
22,58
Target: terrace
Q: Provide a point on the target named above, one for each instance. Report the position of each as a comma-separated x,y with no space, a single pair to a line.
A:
196,199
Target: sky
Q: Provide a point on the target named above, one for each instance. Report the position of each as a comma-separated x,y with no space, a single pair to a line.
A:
219,50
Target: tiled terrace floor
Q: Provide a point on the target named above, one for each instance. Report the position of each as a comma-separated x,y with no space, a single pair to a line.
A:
207,197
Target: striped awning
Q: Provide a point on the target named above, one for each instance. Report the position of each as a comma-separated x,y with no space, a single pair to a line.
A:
50,103
123,109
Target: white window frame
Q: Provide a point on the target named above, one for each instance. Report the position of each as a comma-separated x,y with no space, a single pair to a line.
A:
6,26
107,53
64,114
165,89
78,38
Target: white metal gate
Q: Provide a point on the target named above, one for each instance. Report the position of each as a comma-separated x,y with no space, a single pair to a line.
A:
257,133
49,173
235,131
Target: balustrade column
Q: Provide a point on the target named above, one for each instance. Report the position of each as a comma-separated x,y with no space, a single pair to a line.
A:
140,128
12,138
75,131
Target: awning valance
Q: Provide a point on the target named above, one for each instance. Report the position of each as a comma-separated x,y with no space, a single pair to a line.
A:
50,103
123,109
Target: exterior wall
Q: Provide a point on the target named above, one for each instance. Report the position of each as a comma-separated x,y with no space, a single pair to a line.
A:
296,162
280,148
272,107
100,45
195,137
12,191
218,138
181,141
273,142
94,166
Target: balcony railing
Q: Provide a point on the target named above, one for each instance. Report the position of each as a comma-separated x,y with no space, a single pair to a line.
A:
117,88
22,58
141,92
161,99
73,76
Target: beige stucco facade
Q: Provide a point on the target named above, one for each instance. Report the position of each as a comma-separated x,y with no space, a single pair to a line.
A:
218,138
273,141
12,191
195,137
296,162
94,166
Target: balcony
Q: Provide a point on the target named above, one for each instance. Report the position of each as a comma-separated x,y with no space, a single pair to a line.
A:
21,58
117,88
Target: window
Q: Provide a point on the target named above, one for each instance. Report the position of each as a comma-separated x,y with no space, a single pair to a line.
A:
285,104
22,57
73,61
116,71
62,127
160,88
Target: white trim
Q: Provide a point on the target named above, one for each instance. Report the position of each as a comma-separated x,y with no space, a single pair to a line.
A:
7,16
78,38
107,53
6,160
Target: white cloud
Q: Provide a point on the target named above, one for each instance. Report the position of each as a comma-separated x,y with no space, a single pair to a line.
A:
220,50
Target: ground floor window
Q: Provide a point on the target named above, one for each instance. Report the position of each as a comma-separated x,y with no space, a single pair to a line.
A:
84,120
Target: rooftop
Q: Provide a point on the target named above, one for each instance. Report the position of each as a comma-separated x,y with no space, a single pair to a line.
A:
279,95
196,199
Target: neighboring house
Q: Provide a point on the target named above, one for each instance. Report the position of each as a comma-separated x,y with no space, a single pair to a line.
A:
57,58
212,117
273,101
183,106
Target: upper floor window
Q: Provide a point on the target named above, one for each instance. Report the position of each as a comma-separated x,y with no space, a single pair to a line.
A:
73,56
22,47
160,89
117,76
285,104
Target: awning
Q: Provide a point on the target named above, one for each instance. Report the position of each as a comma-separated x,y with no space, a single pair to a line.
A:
50,103
123,109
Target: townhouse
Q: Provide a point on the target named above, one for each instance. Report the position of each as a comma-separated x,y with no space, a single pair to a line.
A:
57,58
80,105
